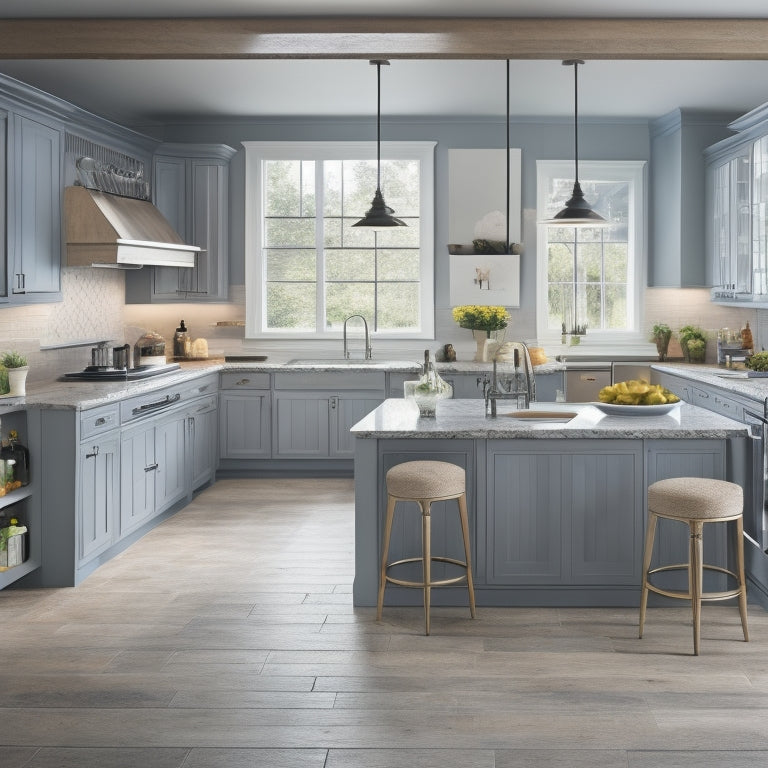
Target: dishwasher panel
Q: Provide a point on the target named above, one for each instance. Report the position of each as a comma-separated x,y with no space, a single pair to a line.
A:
582,385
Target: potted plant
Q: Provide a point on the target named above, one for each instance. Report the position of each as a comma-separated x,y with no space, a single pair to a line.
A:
16,365
661,334
482,320
693,341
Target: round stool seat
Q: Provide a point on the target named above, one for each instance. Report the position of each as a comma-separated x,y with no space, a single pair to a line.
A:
695,498
425,480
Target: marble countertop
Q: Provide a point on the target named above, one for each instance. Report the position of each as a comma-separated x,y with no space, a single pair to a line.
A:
82,395
733,381
397,418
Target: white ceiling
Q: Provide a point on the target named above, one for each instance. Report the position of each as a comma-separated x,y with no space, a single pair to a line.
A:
141,92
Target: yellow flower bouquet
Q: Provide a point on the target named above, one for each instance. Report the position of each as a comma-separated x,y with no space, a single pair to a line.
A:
481,318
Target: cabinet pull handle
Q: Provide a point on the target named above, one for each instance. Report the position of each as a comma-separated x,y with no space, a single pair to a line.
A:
334,403
167,400
151,467
100,421
242,382
95,452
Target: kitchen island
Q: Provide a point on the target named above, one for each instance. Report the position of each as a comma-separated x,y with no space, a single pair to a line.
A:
557,507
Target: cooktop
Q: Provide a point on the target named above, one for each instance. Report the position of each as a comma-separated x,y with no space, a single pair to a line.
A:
98,373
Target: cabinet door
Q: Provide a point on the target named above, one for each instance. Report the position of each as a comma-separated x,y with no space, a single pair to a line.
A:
172,483
245,425
547,386
35,236
138,477
346,411
209,192
756,267
523,527
99,495
170,198
300,425
4,264
202,426
603,505
465,384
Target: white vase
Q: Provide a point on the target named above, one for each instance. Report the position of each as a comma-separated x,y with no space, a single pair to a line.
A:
481,339
17,380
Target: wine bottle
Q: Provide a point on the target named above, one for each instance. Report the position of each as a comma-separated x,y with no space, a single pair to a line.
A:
13,449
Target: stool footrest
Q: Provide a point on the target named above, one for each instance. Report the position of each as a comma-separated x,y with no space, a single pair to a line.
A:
686,595
421,584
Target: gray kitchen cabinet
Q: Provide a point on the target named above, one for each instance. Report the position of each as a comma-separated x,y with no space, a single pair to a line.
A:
191,189
202,436
171,453
34,211
99,494
546,524
312,415
465,385
300,425
548,384
245,416
346,409
138,477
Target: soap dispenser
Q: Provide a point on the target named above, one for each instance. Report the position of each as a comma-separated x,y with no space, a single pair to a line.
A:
182,344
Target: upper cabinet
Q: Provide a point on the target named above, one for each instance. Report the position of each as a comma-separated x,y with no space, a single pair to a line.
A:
31,213
191,189
677,209
737,213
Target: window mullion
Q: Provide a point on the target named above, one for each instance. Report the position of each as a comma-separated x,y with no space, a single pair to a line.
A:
319,246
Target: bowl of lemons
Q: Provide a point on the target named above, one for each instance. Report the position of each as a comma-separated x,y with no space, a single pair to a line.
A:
637,398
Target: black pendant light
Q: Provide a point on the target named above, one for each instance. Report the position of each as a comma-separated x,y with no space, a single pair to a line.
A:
577,212
379,215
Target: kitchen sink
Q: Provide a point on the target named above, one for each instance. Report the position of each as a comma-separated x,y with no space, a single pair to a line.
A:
561,416
351,362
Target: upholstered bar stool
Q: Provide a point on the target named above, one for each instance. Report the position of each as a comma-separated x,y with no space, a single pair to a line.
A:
426,482
695,501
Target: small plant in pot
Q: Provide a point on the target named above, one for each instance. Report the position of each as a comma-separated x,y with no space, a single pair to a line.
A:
661,334
16,367
693,342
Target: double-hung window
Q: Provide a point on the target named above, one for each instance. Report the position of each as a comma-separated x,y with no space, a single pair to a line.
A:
308,268
591,276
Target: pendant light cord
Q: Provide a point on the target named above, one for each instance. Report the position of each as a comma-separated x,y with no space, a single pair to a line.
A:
378,125
507,244
576,118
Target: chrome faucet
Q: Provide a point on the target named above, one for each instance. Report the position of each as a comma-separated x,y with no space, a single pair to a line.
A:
518,386
367,338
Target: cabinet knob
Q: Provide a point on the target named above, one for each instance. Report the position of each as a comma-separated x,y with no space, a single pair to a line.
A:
100,421
242,382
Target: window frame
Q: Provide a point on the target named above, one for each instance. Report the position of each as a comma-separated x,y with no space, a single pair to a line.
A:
631,171
256,152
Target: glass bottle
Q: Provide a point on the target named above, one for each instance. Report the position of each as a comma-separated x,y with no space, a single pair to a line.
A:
430,388
746,337
13,450
181,341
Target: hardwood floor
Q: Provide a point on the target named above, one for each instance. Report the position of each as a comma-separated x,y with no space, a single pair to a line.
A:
226,638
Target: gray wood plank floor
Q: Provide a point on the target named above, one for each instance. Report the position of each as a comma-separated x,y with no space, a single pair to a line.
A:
226,638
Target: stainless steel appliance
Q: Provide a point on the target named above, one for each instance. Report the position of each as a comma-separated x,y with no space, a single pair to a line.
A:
97,373
584,380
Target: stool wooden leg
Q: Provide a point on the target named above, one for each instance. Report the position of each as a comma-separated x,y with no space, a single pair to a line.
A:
426,548
462,500
647,555
383,573
742,580
695,578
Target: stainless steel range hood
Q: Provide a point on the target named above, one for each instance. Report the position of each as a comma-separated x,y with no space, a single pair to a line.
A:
105,230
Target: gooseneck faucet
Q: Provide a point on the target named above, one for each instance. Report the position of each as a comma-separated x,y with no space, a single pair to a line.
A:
518,386
367,338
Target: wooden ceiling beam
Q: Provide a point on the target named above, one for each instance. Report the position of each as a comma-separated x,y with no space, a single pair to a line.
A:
393,38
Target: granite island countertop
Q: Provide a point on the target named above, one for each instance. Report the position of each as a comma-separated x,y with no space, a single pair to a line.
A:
460,419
